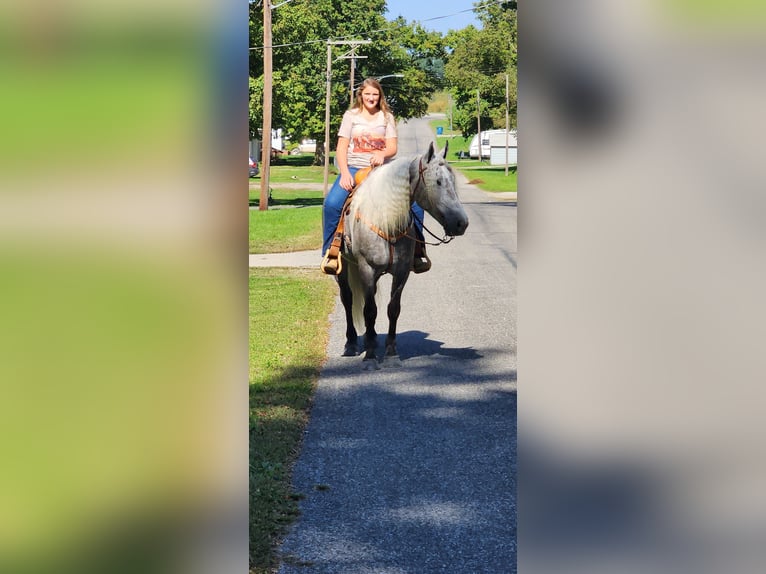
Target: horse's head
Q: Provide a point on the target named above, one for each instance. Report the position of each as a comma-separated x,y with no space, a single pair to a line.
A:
436,192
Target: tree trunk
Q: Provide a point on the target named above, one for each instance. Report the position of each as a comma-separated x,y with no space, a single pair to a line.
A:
319,153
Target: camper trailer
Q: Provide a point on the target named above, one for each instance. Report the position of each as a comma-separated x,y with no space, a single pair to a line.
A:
473,150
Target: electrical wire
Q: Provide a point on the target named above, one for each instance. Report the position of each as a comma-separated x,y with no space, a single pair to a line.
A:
380,30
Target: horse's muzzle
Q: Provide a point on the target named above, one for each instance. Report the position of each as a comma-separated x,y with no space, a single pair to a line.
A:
458,227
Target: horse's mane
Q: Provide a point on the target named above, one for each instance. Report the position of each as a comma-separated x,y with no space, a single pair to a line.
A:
383,199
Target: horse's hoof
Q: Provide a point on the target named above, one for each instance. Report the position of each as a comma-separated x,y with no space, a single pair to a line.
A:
350,351
390,361
370,365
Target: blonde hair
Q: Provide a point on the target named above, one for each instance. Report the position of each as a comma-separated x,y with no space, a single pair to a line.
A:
371,83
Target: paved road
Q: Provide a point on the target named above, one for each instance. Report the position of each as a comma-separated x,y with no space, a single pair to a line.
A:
413,469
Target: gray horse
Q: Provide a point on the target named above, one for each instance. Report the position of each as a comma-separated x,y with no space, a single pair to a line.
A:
380,238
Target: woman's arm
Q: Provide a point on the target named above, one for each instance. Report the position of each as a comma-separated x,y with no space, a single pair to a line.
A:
391,143
380,156
341,155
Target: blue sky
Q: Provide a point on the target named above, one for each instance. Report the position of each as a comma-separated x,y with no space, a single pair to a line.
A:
422,10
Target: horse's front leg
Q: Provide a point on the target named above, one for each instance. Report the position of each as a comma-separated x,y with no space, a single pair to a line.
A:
369,280
394,308
346,297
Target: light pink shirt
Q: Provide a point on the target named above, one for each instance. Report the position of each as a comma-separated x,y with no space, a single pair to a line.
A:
366,136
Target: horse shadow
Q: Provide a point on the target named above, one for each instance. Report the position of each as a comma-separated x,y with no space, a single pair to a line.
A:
411,344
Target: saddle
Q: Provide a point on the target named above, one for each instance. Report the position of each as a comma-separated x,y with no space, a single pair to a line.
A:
332,261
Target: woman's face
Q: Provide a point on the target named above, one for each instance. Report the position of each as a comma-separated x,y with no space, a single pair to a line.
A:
370,98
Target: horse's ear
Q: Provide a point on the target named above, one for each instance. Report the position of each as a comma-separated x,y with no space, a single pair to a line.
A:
430,153
446,147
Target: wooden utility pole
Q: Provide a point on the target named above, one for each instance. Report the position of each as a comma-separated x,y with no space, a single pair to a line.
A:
327,119
352,55
507,125
478,118
267,102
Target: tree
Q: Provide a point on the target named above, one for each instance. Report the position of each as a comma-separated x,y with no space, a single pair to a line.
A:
479,61
300,30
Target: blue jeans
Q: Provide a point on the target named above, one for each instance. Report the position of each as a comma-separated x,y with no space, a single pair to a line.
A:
333,204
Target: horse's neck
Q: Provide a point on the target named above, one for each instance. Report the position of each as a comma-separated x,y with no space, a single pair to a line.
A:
384,199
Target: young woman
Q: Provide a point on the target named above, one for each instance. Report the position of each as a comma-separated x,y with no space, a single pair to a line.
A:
367,138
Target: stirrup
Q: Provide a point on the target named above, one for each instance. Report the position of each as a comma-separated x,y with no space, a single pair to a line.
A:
331,265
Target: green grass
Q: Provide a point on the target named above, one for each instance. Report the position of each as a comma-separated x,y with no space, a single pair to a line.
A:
283,230
289,321
489,178
295,183
294,174
281,196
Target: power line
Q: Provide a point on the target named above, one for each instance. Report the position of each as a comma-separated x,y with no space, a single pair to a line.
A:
381,30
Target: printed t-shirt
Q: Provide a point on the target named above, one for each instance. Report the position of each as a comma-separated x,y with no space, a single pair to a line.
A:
366,136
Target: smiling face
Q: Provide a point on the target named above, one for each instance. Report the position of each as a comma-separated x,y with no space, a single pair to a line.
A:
371,99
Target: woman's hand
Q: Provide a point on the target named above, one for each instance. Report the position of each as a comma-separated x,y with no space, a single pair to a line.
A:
347,181
377,158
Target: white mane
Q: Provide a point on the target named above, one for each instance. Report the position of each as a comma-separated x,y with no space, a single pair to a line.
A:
383,199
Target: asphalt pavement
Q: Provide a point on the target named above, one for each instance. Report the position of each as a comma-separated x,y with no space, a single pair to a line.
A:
412,469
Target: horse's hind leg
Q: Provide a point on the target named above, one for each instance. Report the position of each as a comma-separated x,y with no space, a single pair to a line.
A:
350,350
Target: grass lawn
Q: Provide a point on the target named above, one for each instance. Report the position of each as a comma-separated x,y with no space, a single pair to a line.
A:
457,142
288,196
488,178
293,174
289,321
295,169
289,229
296,185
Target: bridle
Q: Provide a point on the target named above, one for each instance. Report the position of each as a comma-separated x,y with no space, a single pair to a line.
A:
439,240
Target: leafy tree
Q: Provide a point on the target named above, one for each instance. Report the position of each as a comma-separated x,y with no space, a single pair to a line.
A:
299,33
479,62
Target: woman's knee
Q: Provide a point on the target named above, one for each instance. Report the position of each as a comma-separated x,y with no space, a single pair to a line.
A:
336,197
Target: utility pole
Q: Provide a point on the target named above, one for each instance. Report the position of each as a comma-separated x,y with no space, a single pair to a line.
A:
267,102
478,119
352,55
507,125
327,119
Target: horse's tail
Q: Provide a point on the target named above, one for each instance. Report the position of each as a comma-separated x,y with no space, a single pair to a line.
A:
357,294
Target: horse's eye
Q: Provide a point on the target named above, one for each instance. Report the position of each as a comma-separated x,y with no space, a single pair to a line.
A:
438,182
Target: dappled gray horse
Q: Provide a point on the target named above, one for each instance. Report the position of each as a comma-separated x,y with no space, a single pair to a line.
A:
380,238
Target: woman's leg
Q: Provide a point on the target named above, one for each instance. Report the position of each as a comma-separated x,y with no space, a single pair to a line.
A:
333,204
419,214
421,263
